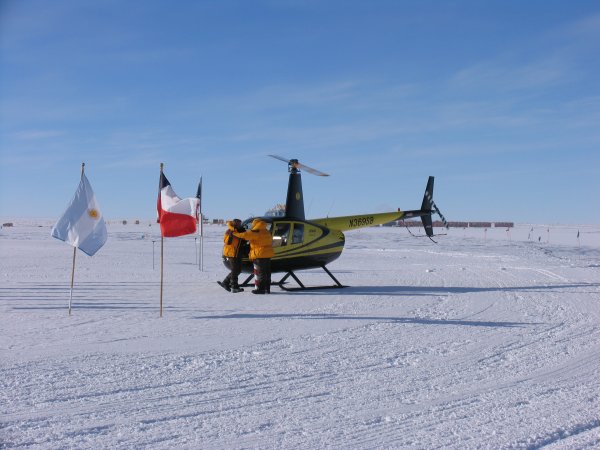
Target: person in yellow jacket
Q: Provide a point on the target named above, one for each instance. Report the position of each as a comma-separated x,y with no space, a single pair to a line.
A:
261,252
233,256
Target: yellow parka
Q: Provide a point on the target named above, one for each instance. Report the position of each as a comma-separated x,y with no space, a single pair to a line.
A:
261,242
232,243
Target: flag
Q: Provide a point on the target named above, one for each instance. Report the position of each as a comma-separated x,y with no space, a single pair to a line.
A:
82,225
177,217
199,196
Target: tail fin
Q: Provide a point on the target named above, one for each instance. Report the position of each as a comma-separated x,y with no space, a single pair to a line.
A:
428,225
428,207
428,197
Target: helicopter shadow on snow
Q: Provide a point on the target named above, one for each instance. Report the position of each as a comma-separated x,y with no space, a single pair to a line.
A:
386,319
406,291
412,291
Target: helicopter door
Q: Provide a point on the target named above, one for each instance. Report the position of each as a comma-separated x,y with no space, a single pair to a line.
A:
281,232
298,233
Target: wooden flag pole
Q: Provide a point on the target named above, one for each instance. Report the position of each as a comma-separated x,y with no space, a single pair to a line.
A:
162,243
72,279
199,247
74,253
201,232
198,241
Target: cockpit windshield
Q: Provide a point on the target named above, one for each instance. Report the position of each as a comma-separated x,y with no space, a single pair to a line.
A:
247,224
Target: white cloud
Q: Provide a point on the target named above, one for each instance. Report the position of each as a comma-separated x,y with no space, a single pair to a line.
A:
33,135
587,27
505,75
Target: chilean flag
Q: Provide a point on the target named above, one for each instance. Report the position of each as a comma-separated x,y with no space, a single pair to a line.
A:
177,217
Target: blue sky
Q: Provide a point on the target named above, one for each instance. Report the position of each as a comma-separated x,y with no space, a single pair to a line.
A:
499,100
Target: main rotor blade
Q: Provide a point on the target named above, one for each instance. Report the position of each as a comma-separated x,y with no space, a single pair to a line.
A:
296,164
280,158
313,171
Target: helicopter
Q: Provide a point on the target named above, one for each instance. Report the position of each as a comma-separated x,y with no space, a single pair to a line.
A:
301,244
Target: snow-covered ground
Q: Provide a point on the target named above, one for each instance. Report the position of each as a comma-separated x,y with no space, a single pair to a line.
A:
485,340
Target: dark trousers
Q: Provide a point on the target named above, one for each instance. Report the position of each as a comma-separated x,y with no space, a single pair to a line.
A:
262,274
231,279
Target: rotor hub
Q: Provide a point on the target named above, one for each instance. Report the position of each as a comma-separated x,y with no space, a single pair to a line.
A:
293,166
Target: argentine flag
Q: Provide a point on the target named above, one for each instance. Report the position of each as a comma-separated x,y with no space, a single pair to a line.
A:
82,224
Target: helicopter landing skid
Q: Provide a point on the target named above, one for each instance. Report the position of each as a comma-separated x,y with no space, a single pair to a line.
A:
290,273
281,283
247,283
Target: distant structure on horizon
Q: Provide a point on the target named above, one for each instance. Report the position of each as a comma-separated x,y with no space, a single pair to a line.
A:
437,223
276,211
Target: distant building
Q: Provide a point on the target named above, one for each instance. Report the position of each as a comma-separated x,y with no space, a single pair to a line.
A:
276,211
480,224
437,223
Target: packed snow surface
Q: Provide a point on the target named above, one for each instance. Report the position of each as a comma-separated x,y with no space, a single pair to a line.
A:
489,339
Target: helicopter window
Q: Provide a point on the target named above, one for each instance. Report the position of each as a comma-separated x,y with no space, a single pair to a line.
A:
298,235
280,234
247,225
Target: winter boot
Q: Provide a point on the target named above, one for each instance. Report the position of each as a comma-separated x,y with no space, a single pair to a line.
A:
235,288
265,286
224,286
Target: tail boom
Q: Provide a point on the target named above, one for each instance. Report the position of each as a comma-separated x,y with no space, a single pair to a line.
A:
428,207
346,223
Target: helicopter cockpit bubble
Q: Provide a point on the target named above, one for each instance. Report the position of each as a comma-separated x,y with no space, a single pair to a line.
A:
248,223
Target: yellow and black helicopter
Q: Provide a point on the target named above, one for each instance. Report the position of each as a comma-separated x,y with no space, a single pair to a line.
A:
307,244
